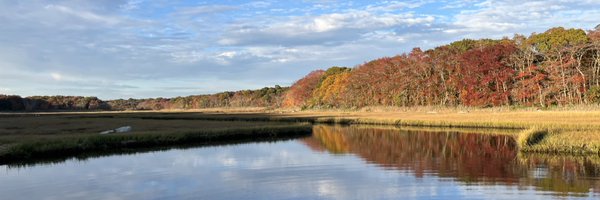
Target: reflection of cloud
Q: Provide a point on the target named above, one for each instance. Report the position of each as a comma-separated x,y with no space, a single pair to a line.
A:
189,160
328,189
180,173
259,164
228,162
288,170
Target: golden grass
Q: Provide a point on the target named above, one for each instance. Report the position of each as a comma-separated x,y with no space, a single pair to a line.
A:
569,142
491,131
568,132
574,131
506,119
531,137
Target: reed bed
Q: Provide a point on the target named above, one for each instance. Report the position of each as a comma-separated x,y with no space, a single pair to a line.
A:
574,142
32,136
548,131
556,131
72,145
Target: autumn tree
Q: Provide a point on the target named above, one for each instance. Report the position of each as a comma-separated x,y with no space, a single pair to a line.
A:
557,47
488,76
328,92
377,82
301,91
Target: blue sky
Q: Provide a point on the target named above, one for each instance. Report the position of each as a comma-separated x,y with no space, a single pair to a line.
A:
141,48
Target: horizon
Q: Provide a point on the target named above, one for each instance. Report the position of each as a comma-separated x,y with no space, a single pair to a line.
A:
140,49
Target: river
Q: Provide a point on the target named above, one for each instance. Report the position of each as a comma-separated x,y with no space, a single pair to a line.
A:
335,162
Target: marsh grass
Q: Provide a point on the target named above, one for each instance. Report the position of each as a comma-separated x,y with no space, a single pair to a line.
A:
530,137
33,136
576,132
554,131
575,142
72,145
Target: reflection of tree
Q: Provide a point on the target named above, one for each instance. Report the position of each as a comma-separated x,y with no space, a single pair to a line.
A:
574,173
330,139
467,157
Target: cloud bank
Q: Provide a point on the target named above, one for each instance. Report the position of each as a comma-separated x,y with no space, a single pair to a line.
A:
137,48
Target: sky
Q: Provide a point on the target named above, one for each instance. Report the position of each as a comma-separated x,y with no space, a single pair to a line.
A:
166,48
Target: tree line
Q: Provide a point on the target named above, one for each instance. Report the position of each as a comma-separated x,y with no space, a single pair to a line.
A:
555,68
41,103
265,97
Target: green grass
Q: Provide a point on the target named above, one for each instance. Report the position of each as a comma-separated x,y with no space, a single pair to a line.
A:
73,145
25,137
563,132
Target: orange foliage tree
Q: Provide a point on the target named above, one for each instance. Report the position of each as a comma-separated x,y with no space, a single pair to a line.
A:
301,91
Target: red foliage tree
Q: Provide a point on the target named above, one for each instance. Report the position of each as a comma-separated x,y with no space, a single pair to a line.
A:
529,90
487,75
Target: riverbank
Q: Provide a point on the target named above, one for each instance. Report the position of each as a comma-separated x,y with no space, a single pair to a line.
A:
28,137
36,135
564,131
553,132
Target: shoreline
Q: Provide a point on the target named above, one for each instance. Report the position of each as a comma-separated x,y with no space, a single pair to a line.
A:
76,146
555,132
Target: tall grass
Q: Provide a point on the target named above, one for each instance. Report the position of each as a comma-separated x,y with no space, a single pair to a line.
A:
77,144
531,137
553,131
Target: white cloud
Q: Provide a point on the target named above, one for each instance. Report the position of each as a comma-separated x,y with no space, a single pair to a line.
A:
4,90
389,6
507,17
86,15
228,54
133,48
259,4
56,76
131,5
327,28
206,9
187,56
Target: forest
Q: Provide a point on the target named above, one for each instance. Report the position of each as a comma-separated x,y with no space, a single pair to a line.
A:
265,97
555,68
558,67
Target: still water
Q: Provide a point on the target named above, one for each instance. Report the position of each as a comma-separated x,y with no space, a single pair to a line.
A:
334,163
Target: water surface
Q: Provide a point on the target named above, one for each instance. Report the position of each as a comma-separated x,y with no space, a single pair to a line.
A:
334,163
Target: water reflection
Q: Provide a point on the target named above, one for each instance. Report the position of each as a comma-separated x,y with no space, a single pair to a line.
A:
467,157
334,163
85,155
567,175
